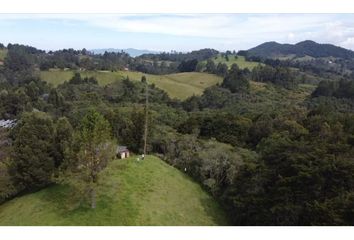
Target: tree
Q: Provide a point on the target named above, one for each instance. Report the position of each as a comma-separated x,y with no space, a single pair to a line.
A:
210,66
19,66
7,187
324,88
188,66
281,76
146,116
236,81
33,162
57,100
76,79
200,67
91,151
63,139
221,69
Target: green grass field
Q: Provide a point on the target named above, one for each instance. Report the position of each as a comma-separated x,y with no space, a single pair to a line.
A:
178,85
148,192
240,61
57,77
3,53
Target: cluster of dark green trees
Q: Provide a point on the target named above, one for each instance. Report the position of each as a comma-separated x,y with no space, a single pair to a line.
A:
297,167
268,160
281,76
221,69
342,89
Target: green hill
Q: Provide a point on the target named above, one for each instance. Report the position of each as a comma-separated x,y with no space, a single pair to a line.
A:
148,192
240,61
305,48
178,85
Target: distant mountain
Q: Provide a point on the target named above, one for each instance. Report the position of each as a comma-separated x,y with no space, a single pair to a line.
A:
305,48
131,51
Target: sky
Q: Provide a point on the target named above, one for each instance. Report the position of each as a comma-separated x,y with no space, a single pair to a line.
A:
180,32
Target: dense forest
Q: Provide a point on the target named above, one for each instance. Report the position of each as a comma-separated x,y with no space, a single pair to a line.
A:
268,153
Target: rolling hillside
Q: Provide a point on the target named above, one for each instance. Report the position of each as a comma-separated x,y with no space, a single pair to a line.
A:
178,85
240,61
148,192
301,49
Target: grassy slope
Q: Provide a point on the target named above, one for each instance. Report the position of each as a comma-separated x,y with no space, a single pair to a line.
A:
132,193
179,85
240,61
3,53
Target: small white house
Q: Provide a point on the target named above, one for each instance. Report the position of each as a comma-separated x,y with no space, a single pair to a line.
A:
122,152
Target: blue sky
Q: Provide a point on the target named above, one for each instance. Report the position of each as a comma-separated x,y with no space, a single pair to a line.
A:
181,32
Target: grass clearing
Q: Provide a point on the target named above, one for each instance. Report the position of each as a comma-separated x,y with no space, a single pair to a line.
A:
178,85
240,61
56,77
149,192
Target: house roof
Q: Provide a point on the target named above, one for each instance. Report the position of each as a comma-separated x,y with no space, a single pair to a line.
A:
121,149
7,123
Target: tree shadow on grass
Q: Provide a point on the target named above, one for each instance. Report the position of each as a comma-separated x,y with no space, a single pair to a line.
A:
214,210
73,208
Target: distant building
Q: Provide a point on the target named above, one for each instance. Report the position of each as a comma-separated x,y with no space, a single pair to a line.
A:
45,96
122,152
7,123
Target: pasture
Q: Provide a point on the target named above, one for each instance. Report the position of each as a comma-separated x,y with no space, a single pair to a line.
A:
239,60
178,85
148,192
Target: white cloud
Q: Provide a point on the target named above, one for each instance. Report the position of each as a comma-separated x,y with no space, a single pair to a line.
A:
348,43
232,31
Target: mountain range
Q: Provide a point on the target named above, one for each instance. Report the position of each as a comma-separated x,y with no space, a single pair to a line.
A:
304,48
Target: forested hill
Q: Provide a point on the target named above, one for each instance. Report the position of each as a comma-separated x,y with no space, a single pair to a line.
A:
304,48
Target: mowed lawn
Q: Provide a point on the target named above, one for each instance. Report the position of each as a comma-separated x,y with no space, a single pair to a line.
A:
148,192
240,61
178,85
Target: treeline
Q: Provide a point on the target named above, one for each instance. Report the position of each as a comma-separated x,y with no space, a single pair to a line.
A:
163,63
199,55
282,76
342,89
320,67
238,80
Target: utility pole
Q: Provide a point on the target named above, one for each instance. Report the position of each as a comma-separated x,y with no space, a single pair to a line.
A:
143,79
